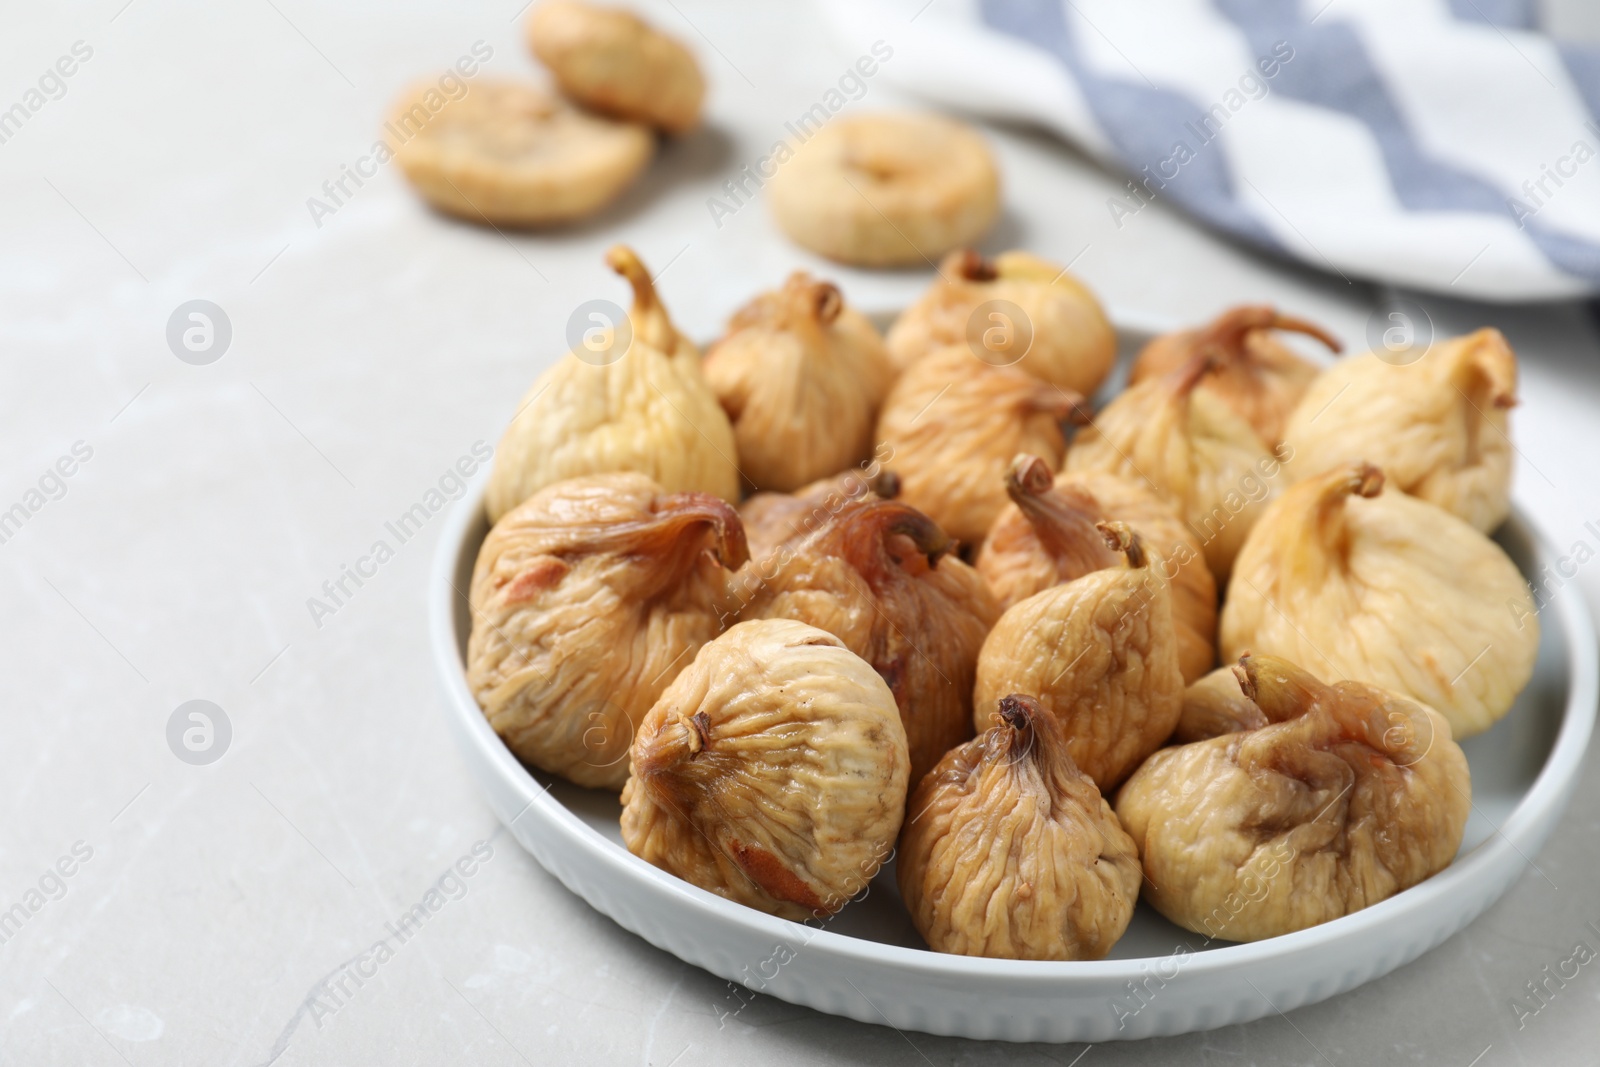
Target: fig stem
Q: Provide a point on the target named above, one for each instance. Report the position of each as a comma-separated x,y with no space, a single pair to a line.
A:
974,268
1018,711
827,302
885,485
1226,334
1029,476
702,733
1120,537
648,316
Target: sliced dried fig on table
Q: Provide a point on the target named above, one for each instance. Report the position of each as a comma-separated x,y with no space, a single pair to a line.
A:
1015,310
1434,420
1348,794
1255,373
1191,449
1049,534
879,575
634,400
1359,581
773,518
952,425
1100,654
586,601
1010,851
801,377
771,772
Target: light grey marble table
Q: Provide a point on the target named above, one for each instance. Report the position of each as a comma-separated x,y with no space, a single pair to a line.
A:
371,347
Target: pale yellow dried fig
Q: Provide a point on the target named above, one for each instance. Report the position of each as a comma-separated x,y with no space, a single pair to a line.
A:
634,401
771,772
770,519
801,377
1216,705
612,61
1258,375
1193,450
952,425
1435,422
1015,310
586,601
1367,583
1348,795
1099,654
1049,534
879,576
1010,851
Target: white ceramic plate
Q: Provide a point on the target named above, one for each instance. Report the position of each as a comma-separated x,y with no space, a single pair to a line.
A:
869,963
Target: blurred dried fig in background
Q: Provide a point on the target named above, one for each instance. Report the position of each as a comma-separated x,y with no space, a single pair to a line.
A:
773,518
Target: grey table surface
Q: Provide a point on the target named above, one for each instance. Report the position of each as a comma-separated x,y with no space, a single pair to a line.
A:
371,347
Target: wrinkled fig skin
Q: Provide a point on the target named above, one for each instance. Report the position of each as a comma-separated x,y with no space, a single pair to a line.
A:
1009,850
771,772
1191,449
953,424
612,61
648,410
585,601
1437,425
773,518
1068,339
1256,374
800,388
1364,582
1047,535
1216,705
1349,795
879,576
1100,654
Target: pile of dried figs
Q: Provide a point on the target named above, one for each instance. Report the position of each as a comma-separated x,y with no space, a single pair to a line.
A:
818,598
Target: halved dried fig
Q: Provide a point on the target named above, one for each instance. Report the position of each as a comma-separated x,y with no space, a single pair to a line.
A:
1100,654
1010,851
586,600
773,518
879,576
1048,534
1255,373
1348,795
771,772
951,426
1368,583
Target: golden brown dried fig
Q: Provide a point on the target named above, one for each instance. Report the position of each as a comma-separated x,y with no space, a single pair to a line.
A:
1010,851
1215,705
771,772
1435,424
613,61
586,600
1192,449
879,577
1349,795
801,377
1016,310
1256,374
1100,654
635,400
1367,583
951,426
773,518
1048,534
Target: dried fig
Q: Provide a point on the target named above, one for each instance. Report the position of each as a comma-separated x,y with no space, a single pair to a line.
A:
1371,584
1100,654
614,62
1048,534
801,377
1192,449
1255,373
1016,310
1216,705
951,426
771,772
1436,425
1010,851
773,518
1348,795
879,576
586,600
645,408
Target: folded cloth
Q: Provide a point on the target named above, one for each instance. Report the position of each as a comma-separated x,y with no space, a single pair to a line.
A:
1441,145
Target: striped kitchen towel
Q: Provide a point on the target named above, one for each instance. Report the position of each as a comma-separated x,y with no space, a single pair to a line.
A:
1442,145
